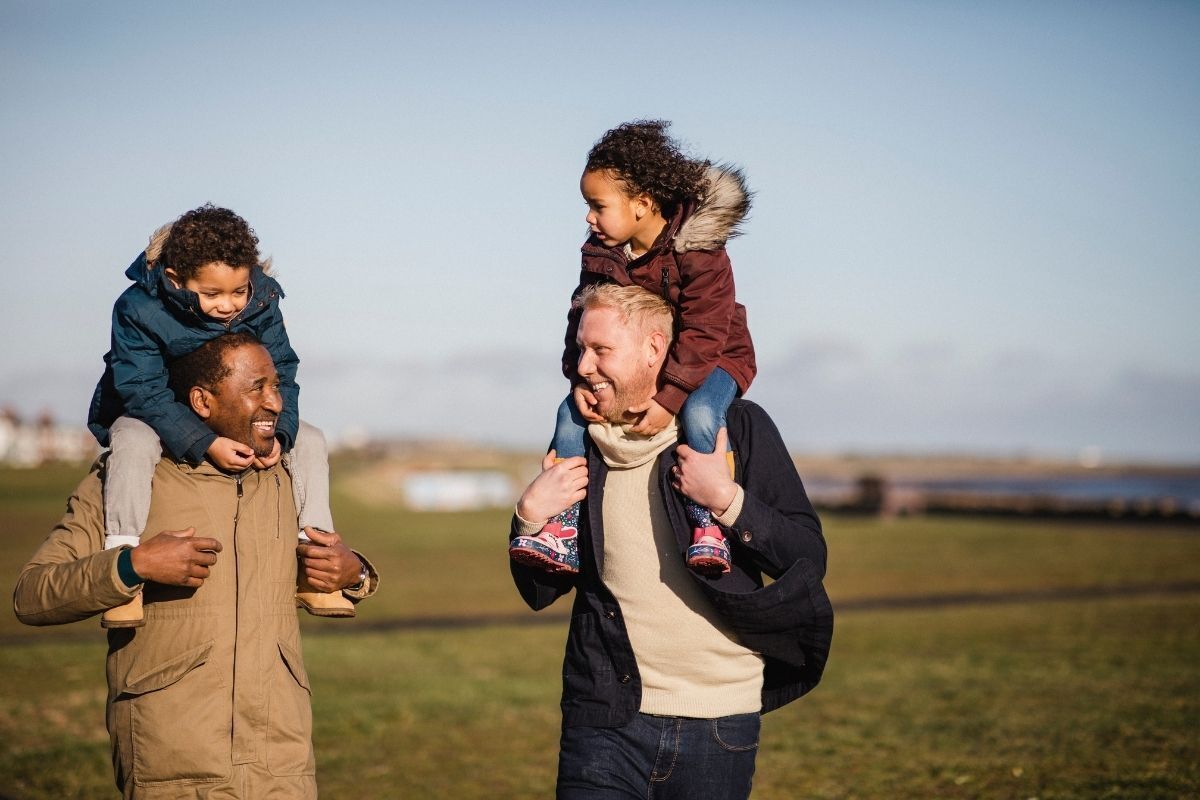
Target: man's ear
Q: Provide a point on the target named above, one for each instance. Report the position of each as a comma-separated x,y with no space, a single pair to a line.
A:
656,348
200,399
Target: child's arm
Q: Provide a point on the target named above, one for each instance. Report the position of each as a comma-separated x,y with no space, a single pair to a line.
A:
140,377
273,335
706,304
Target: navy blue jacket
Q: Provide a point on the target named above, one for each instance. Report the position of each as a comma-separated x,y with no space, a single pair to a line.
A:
789,620
154,322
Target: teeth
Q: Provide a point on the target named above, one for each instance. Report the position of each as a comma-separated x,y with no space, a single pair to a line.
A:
598,386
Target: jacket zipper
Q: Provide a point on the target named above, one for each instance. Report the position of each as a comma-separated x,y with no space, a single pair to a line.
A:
666,284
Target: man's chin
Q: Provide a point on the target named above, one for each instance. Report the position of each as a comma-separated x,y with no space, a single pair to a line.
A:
262,447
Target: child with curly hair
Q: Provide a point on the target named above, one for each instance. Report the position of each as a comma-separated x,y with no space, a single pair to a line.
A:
659,219
199,278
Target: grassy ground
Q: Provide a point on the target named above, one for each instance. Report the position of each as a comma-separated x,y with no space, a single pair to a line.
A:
1053,699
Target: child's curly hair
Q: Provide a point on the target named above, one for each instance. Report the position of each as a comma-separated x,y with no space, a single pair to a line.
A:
207,234
646,159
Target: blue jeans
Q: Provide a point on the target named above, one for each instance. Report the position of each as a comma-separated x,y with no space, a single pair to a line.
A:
702,415
660,758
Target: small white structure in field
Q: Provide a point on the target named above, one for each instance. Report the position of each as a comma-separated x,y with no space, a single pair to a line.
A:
465,490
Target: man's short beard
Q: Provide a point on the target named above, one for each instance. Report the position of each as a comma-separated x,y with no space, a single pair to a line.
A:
627,396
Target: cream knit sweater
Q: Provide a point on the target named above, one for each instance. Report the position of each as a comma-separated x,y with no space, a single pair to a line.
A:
691,665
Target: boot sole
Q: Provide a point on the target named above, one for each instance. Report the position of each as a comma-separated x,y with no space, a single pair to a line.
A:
532,558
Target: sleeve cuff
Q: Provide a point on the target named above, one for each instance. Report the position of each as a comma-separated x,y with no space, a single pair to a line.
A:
730,515
525,527
125,569
671,397
370,586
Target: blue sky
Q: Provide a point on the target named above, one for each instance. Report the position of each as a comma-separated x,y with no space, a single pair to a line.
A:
976,227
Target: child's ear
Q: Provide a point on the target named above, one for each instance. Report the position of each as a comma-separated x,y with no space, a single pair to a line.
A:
200,399
643,204
173,276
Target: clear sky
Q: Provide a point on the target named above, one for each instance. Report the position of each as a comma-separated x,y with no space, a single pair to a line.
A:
977,225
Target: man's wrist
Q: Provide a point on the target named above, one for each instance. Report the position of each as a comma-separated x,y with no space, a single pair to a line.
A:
364,575
125,570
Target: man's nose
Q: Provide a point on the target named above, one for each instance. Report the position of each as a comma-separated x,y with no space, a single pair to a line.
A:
585,363
273,401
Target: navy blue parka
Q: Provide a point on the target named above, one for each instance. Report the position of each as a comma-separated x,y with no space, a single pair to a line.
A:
154,322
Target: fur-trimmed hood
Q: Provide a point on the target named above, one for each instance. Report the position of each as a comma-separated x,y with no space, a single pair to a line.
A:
719,213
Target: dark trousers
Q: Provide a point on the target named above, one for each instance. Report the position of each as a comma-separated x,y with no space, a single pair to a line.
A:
657,758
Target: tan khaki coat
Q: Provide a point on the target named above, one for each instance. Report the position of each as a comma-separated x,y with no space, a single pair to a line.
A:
210,699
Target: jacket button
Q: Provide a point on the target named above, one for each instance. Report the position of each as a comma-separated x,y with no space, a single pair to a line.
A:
608,269
626,679
747,536
610,614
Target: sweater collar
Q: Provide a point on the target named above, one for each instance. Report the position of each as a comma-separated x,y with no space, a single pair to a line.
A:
622,449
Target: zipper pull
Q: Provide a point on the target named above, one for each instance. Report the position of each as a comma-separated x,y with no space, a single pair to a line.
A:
666,283
239,487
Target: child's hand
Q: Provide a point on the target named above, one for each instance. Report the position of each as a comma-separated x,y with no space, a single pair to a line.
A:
654,418
585,401
230,455
263,462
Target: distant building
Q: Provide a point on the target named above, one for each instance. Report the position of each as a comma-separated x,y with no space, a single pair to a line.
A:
32,444
457,490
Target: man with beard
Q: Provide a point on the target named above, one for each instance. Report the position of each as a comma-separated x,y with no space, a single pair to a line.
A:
666,672
210,698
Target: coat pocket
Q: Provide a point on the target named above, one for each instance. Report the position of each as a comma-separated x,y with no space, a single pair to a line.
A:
180,720
289,716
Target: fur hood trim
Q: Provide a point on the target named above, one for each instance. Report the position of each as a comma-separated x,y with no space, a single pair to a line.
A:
722,208
159,238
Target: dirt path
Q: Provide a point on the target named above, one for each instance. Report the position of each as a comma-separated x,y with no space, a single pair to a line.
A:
910,603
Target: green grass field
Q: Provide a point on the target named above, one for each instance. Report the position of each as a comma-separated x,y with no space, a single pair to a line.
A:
1054,698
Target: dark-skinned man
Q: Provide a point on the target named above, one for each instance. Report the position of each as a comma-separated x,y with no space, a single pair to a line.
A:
210,698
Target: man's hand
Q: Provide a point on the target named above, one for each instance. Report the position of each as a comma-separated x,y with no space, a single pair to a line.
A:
326,562
231,456
560,485
175,558
704,477
654,418
263,462
585,401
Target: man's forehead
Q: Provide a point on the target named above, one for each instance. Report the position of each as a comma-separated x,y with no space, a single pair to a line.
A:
249,363
603,322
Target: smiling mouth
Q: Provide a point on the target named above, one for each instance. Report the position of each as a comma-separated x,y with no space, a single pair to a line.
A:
265,427
597,387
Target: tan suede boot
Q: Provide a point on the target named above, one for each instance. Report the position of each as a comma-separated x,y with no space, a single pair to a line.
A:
322,604
129,615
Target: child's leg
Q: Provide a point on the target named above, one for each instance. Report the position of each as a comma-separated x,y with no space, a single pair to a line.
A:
702,415
309,461
309,465
555,547
136,451
128,474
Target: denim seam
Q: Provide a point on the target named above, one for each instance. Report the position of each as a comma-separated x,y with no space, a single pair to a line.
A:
674,757
729,747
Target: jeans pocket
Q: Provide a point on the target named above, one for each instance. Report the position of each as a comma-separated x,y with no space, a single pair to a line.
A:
737,733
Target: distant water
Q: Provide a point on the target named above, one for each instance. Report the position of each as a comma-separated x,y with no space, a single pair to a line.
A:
1184,491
